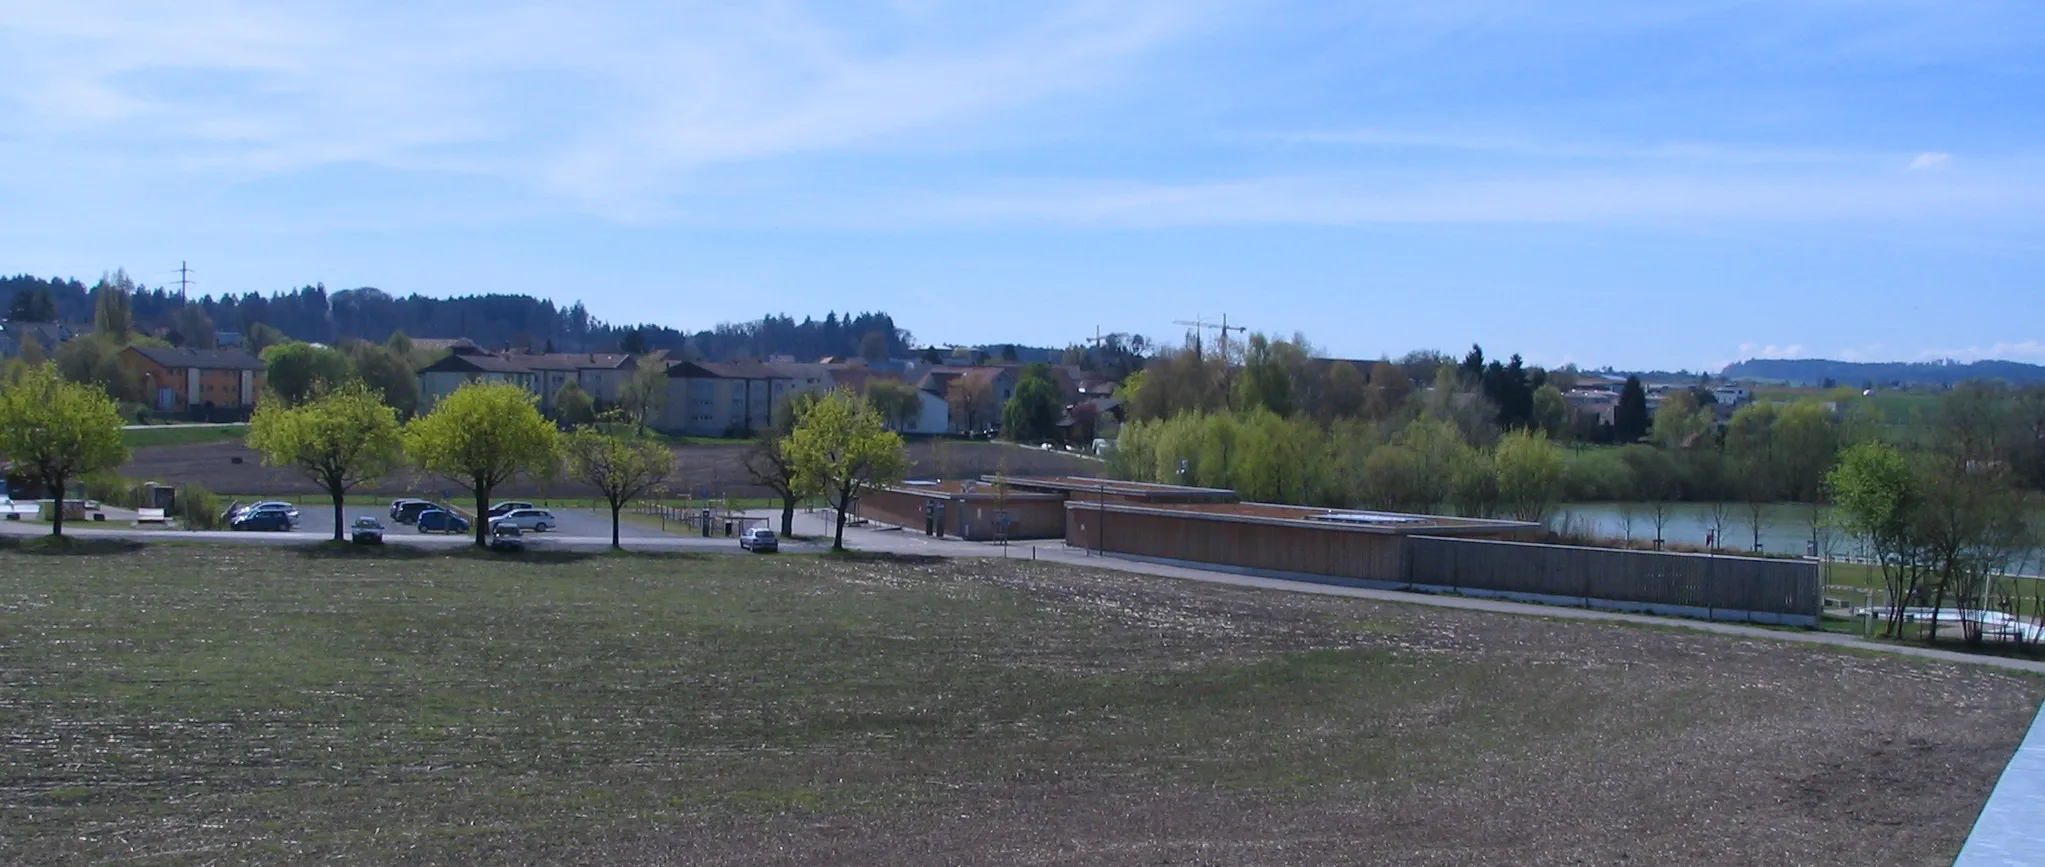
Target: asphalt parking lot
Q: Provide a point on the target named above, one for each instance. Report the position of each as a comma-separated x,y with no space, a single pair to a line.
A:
319,521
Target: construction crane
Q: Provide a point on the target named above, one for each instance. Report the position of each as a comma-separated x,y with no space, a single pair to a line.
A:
1199,323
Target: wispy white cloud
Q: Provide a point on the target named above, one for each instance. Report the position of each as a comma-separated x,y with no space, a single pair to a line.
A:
598,100
1770,350
1930,160
1510,145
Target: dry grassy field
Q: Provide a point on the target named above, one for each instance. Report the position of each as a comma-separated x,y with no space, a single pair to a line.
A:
188,705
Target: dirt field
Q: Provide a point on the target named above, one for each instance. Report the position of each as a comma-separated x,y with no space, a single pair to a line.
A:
715,468
181,705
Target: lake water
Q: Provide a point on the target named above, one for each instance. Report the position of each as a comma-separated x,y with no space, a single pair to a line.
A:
1785,528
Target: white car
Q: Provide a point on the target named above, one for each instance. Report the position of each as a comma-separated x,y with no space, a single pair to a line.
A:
536,520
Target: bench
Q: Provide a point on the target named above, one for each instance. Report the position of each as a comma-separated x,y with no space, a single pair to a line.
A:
151,516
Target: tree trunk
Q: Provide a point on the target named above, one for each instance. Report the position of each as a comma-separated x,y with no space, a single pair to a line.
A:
57,515
340,496
787,516
482,525
838,541
615,506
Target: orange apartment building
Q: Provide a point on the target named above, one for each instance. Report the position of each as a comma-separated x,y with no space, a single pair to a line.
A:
217,384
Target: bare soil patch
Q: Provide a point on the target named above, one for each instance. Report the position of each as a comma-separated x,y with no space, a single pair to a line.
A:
190,705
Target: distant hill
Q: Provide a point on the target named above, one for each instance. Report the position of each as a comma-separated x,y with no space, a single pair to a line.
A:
1820,371
495,320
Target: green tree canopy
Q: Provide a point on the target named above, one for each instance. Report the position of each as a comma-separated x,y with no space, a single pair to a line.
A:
874,346
1031,414
295,371
113,307
32,305
95,359
622,468
573,406
1630,418
261,336
388,373
481,437
194,327
899,403
1529,474
841,447
1679,423
643,396
339,438
55,431
1263,383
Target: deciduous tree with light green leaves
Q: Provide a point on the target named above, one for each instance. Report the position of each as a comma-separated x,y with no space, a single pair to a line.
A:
481,437
1529,474
840,446
622,468
55,431
1877,495
339,438
573,406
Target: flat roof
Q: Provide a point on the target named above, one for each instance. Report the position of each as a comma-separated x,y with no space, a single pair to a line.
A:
957,487
1351,520
1112,486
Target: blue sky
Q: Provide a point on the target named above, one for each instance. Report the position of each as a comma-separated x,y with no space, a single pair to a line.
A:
1637,184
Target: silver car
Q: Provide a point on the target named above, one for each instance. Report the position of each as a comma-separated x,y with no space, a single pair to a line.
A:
536,520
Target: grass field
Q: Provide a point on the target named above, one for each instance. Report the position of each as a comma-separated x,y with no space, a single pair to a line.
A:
137,438
186,705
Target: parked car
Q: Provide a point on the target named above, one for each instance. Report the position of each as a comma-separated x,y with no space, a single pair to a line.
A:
501,509
407,511
442,521
505,536
536,520
261,519
759,540
366,531
289,510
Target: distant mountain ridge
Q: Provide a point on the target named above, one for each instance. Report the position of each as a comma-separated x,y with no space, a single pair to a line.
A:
1818,371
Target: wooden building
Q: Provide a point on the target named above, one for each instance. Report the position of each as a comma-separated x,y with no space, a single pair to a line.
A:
968,510
1265,538
206,384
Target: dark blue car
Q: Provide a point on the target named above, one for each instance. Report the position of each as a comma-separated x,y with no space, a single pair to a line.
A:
263,519
442,521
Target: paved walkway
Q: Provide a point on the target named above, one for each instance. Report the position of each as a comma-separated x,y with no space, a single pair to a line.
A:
2008,832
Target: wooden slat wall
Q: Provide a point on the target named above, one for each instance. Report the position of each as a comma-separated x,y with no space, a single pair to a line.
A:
1336,552
1789,587
1717,586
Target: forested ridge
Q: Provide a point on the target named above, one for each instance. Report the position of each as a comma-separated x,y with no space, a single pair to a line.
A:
312,313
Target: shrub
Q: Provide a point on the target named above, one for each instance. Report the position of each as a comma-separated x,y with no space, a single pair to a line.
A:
199,508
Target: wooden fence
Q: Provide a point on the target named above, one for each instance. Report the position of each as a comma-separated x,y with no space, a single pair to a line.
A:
1712,587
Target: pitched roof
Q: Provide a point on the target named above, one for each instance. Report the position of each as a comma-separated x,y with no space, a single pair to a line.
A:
748,370
858,378
476,364
573,360
203,359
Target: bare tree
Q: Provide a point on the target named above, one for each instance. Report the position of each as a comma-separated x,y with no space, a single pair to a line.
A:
972,403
